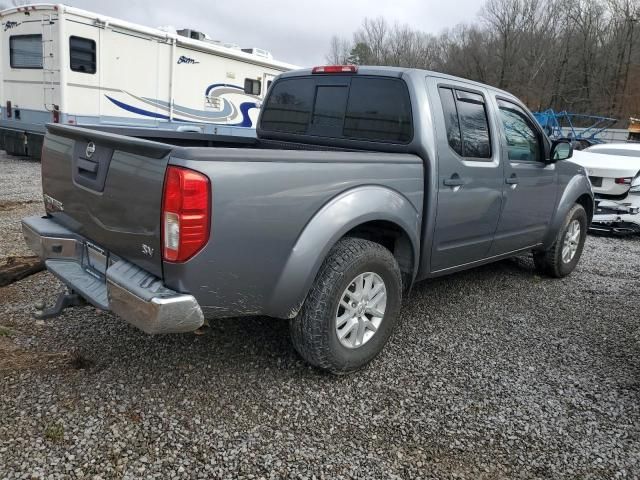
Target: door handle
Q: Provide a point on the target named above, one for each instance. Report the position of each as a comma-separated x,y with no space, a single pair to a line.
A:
454,181
512,180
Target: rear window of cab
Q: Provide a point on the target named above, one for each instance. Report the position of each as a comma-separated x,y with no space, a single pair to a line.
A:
352,108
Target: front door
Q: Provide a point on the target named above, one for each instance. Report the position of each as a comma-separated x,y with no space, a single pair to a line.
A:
470,176
530,183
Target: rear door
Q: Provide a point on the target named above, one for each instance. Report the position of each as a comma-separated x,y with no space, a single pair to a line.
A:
470,175
530,184
107,188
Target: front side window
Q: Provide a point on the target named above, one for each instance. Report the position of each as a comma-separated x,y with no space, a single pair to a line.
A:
25,51
523,142
467,124
82,53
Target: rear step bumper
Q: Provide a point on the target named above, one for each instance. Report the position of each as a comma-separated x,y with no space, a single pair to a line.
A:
123,288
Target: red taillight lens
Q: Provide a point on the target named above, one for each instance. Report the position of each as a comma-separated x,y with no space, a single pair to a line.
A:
186,213
336,69
56,114
624,181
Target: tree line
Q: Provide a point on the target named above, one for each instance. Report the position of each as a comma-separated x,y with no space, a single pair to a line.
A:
575,55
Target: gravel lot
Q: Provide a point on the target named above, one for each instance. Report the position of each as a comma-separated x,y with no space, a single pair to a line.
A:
493,373
20,196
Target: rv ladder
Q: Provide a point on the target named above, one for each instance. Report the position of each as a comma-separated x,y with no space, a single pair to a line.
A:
48,70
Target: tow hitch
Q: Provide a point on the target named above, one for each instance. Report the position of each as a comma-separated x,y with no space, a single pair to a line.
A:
65,300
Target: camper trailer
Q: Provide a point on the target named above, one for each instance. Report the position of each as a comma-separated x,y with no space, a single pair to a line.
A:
65,65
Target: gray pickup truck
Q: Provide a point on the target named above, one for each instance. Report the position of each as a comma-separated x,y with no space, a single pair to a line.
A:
362,181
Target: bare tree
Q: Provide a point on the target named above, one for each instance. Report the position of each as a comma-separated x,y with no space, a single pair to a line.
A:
581,55
339,51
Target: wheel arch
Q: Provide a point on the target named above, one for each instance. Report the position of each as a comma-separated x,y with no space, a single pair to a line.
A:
587,203
375,213
577,191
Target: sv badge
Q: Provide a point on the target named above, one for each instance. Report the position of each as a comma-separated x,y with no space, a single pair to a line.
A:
147,250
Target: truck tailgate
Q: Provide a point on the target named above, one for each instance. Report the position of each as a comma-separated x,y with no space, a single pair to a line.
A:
108,189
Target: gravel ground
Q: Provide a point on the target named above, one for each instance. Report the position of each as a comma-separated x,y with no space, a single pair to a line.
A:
492,373
20,196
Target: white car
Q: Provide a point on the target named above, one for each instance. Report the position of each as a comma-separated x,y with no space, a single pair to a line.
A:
614,171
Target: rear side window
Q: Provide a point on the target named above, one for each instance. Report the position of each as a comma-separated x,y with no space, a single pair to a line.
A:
289,106
467,124
451,119
82,55
378,109
358,108
25,51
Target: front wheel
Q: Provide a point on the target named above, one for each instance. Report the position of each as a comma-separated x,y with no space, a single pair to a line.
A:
351,309
563,256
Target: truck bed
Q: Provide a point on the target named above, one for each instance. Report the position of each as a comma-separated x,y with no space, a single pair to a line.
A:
263,198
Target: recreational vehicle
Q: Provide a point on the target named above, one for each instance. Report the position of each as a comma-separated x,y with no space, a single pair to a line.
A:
65,65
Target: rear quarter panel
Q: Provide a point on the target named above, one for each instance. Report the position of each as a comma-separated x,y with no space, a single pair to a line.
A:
263,201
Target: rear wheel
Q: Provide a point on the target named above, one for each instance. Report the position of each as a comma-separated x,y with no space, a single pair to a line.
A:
351,309
561,259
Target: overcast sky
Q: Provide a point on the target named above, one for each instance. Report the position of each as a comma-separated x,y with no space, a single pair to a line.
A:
298,32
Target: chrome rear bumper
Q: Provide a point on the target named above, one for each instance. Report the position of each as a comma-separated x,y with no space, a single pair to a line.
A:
123,288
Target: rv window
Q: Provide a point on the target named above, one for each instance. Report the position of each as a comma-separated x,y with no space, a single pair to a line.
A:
82,52
252,87
25,51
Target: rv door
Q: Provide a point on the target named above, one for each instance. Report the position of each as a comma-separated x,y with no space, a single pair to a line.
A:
267,80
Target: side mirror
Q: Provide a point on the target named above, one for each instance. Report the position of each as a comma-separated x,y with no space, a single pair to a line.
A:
561,150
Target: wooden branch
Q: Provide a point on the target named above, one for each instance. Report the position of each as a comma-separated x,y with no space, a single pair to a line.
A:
17,268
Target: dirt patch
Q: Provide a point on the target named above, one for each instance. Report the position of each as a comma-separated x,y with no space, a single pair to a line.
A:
8,205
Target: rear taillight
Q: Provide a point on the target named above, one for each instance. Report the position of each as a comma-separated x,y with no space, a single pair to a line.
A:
624,181
186,213
335,69
55,114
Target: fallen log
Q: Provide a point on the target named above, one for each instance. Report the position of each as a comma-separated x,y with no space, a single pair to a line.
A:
17,268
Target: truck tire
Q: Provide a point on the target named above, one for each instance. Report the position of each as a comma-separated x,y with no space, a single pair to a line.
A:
563,256
351,309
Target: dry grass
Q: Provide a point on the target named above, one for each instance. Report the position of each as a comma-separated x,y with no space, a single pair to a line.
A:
8,205
54,432
14,358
